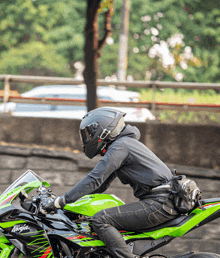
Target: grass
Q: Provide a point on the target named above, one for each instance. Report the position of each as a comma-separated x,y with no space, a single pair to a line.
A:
185,96
182,96
182,117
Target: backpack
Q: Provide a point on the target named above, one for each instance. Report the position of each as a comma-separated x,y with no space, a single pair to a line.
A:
186,193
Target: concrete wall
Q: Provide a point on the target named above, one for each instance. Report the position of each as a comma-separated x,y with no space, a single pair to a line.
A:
191,145
63,169
180,144
40,131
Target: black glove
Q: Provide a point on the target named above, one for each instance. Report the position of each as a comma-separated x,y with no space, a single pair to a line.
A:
50,205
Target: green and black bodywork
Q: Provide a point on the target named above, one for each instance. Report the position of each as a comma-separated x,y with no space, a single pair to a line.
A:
27,232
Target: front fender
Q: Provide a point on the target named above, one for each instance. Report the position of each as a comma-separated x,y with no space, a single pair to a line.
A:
5,246
3,239
5,249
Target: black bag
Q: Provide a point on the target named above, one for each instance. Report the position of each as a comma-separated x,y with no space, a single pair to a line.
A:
186,193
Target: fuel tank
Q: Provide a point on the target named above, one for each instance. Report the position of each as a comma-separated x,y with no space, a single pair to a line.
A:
90,204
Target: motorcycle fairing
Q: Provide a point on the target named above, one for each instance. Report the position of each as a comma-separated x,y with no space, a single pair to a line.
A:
27,182
28,177
28,237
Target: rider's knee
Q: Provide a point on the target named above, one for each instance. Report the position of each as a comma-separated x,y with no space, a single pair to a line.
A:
99,218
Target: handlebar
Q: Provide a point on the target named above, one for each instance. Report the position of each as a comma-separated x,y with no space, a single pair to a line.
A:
43,195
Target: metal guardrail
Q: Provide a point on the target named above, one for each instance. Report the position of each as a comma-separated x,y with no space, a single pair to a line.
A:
102,103
134,84
152,105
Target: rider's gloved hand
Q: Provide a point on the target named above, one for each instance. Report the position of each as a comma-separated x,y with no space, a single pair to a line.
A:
50,205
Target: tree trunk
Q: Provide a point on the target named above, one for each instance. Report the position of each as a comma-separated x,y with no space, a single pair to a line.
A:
91,53
92,48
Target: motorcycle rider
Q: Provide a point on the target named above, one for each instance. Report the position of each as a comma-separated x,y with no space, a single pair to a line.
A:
103,131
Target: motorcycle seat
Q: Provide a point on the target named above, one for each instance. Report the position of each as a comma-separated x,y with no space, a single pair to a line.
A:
181,219
205,201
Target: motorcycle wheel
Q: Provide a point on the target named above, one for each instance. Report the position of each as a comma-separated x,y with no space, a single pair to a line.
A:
197,255
205,255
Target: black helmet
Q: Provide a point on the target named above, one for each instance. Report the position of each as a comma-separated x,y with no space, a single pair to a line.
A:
100,127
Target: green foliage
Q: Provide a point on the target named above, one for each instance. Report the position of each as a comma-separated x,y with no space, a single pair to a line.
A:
41,36
181,96
182,117
21,21
188,97
44,37
68,35
108,61
33,58
199,27
58,26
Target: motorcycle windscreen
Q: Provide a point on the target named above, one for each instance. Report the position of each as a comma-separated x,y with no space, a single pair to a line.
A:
27,177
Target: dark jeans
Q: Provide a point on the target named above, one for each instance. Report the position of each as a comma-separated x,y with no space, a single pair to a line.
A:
135,216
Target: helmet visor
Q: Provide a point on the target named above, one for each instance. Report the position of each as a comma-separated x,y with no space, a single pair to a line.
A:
88,132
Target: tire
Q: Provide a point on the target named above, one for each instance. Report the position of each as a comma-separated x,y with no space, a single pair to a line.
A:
197,255
205,255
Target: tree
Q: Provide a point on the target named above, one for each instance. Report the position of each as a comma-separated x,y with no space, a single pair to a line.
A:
34,58
93,46
154,21
59,26
67,35
24,45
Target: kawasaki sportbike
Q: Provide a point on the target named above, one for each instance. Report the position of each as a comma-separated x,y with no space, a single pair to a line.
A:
27,232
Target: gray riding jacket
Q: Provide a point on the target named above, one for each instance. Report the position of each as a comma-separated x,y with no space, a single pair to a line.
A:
129,160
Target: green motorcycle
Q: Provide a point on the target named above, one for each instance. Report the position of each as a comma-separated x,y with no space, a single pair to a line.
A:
27,232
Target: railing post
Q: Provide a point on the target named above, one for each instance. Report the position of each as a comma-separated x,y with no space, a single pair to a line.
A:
153,105
6,90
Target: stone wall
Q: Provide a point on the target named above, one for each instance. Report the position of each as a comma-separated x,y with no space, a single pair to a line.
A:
63,169
180,144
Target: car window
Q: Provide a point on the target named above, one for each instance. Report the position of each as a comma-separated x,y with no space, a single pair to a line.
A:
46,95
105,98
70,96
61,96
42,95
104,93
23,107
70,108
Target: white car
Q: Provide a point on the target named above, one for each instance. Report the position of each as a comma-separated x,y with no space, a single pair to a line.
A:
71,111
